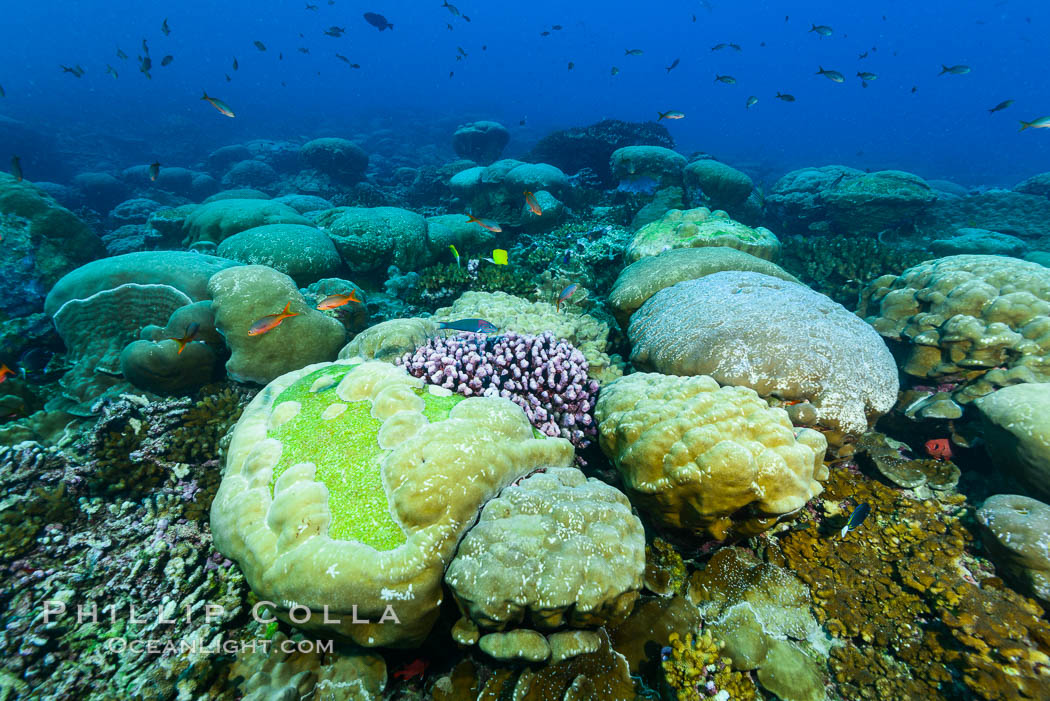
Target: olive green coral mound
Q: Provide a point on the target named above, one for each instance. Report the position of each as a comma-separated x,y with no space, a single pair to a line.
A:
712,460
693,228
348,486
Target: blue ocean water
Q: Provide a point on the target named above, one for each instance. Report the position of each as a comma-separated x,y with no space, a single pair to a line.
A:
910,118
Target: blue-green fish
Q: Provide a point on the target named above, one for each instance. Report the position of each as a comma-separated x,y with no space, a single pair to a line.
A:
727,79
954,70
833,76
469,325
856,518
1041,123
821,29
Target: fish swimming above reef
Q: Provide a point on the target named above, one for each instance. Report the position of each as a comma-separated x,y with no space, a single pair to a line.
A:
311,8
167,60
154,170
75,70
533,205
338,300
822,30
833,76
16,168
670,114
6,372
785,97
2,93
674,64
1041,123
334,31
347,61
187,338
455,254
145,64
121,55
856,518
494,228
112,71
499,257
378,21
219,105
235,63
954,70
632,52
271,321
450,7
866,76
614,70
469,326
259,45
727,79
752,100
565,294
1001,106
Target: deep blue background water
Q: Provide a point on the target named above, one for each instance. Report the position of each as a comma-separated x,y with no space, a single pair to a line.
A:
943,129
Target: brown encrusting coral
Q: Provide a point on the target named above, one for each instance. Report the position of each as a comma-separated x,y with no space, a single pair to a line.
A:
903,594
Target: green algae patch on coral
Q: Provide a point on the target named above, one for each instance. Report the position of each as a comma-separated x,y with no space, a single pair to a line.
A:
347,454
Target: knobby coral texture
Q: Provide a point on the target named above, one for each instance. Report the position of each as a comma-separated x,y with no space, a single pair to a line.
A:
544,375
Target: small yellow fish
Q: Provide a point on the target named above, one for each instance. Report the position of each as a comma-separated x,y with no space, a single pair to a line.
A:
499,256
455,254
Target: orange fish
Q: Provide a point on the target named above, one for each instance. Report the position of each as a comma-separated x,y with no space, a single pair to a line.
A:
494,228
939,449
5,372
534,206
271,321
333,301
191,333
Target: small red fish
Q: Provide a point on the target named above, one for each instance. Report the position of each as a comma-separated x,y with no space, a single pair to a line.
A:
534,206
494,228
5,372
271,321
333,301
413,669
939,449
191,333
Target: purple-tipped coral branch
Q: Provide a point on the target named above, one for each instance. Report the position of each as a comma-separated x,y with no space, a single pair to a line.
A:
544,375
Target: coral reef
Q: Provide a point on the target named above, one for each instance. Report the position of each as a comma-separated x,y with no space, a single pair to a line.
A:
915,619
1016,425
442,284
219,219
303,253
716,461
774,336
975,322
1016,533
372,238
591,146
645,277
482,142
510,313
586,556
349,485
696,670
545,376
840,266
693,228
245,294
